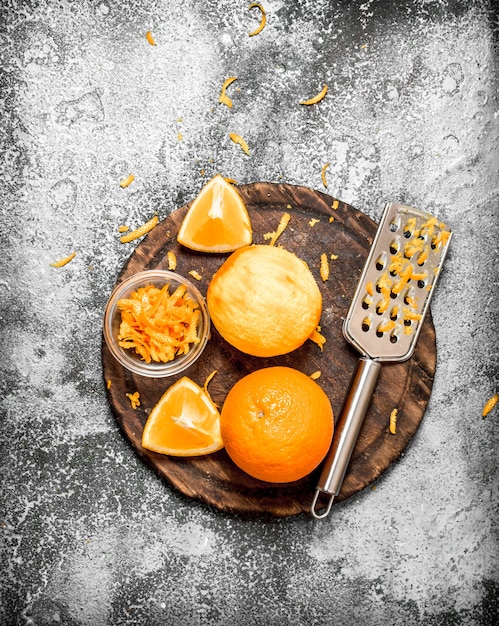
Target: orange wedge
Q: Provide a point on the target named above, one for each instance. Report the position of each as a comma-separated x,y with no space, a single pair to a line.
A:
217,220
184,422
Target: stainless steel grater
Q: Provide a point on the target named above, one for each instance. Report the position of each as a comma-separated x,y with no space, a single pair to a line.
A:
384,321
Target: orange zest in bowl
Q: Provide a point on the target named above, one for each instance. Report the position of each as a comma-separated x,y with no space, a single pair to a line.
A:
184,422
158,325
217,220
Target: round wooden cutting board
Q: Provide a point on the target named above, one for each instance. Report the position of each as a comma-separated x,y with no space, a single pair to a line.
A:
318,225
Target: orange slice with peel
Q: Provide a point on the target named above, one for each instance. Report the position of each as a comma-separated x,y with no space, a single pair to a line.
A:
184,422
217,220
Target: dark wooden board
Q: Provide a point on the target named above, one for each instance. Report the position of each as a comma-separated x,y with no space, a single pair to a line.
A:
214,479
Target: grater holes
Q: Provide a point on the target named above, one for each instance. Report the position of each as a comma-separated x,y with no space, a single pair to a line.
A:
381,261
366,324
385,326
394,338
394,224
366,302
394,246
410,227
394,313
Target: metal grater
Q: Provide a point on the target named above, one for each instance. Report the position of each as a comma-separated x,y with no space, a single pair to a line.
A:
384,320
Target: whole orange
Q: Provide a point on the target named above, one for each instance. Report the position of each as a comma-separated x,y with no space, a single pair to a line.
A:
277,424
264,301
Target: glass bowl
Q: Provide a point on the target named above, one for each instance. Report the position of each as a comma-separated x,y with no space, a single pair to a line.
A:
112,320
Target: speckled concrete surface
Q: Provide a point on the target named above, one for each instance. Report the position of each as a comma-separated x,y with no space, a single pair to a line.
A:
89,535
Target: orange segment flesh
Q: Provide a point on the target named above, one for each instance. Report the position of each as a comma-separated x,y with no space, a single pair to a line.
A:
184,422
217,220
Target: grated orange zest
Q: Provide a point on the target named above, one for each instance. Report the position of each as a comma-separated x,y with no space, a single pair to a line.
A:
127,181
323,174
240,141
317,338
65,261
263,18
224,98
316,98
324,270
490,404
150,38
134,399
142,230
158,325
393,421
281,227
172,260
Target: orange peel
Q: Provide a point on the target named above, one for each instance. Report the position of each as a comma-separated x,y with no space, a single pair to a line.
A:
240,141
224,98
281,227
316,98
393,421
490,404
263,18
323,173
142,230
65,261
127,181
150,38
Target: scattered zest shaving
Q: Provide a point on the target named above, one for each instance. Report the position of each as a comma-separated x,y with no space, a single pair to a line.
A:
195,274
207,382
224,98
64,261
240,141
393,421
142,230
134,399
172,260
150,38
281,227
316,98
108,384
263,19
231,181
127,181
323,174
317,338
315,375
123,228
490,404
333,257
335,205
324,267
158,325
313,222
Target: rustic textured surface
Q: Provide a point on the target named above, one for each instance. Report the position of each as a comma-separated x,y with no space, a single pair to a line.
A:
89,534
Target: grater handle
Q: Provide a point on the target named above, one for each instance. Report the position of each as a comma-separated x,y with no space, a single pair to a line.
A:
346,432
